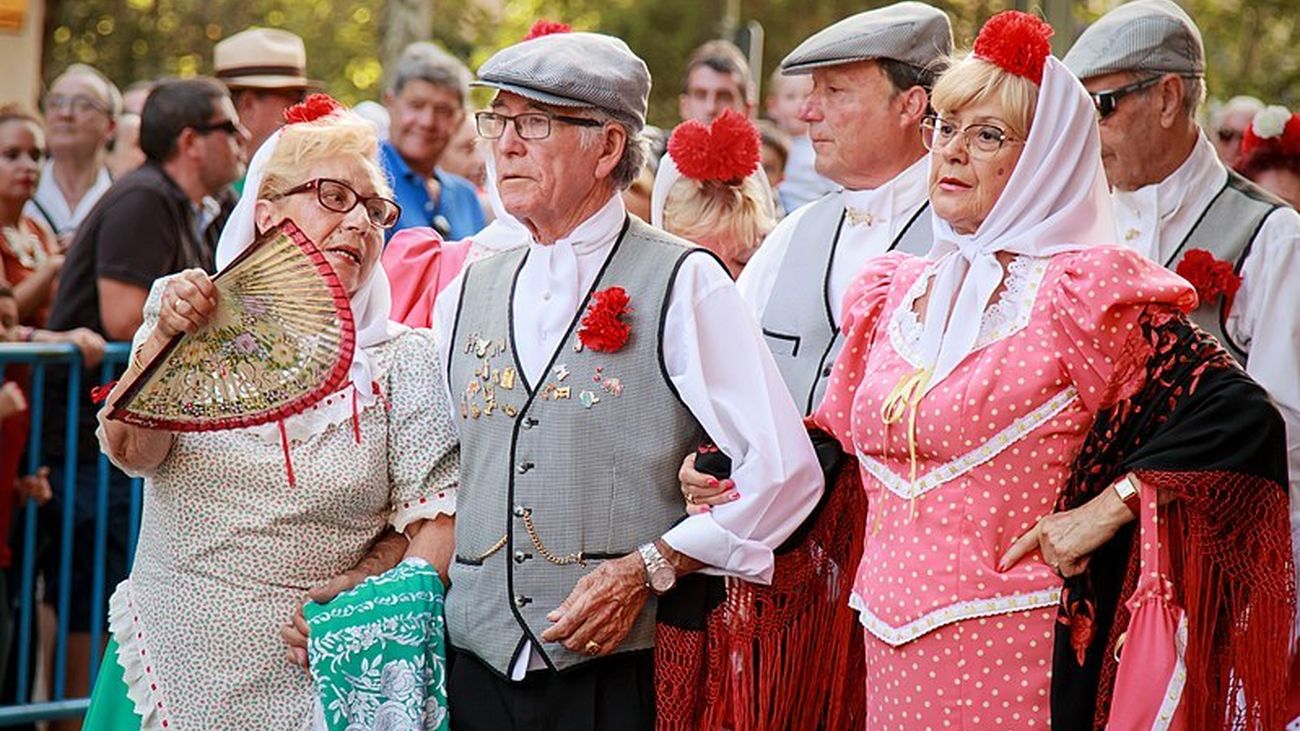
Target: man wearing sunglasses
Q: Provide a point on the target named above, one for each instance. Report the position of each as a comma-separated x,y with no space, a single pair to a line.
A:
1144,63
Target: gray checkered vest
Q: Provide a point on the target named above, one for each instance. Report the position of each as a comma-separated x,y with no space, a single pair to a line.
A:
1227,229
800,327
559,475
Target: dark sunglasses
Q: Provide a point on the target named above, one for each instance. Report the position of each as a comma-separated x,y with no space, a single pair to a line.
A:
1106,101
228,126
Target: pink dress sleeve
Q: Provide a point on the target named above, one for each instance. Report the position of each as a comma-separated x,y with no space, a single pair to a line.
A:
419,264
862,308
1095,305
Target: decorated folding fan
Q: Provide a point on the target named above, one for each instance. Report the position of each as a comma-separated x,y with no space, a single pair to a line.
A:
281,340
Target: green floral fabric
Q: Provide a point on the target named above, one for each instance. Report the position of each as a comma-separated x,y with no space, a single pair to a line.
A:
378,654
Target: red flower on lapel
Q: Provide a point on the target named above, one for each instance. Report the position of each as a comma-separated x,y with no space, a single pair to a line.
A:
602,330
1210,276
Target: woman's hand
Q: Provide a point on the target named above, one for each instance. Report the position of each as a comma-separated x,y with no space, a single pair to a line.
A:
188,303
87,341
702,491
1067,539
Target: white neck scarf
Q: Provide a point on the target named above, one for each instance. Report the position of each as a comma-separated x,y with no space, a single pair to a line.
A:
1056,201
371,304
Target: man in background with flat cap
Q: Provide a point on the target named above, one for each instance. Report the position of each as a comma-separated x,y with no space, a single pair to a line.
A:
616,350
265,70
871,78
1144,65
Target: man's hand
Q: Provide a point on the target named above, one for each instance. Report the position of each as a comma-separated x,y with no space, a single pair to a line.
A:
386,553
89,342
602,607
37,487
12,400
1067,539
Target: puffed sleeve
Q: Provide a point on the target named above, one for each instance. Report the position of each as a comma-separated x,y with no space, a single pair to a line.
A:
423,450
1095,303
860,313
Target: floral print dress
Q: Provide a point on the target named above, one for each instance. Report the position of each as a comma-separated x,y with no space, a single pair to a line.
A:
228,549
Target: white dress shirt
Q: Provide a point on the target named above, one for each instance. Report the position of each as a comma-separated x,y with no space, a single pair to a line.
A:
63,218
889,208
716,358
1265,317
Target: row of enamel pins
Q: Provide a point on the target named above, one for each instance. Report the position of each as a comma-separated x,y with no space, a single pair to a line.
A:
487,379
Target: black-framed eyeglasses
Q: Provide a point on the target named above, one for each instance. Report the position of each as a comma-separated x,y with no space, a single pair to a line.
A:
1106,101
338,196
981,140
77,103
228,126
529,125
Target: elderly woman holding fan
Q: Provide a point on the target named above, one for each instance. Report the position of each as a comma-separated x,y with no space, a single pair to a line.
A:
241,526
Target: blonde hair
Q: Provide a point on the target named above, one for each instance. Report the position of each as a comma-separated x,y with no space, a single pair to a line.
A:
305,145
974,80
739,217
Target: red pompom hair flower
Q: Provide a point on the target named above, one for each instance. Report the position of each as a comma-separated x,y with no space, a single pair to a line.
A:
726,151
1273,130
311,109
1211,277
1017,42
602,330
544,27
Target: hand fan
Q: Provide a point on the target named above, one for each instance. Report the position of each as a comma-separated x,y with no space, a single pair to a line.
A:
281,340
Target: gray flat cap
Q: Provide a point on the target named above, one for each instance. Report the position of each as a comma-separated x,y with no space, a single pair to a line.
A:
586,70
1143,35
911,32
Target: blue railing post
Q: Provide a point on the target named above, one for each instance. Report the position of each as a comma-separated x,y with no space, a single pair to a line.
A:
40,357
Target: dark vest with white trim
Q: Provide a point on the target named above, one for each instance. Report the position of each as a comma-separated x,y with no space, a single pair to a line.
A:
1227,229
560,474
798,325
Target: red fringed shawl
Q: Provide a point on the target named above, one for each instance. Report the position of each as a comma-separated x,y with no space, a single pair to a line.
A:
785,656
1182,416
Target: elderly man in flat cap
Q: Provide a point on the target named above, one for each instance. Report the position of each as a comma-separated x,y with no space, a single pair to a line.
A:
582,366
871,73
1175,202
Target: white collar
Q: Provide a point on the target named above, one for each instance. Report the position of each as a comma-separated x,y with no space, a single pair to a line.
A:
596,232
897,197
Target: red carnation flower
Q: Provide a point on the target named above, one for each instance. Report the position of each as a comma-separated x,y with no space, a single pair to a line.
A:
1018,42
1285,141
725,151
311,109
602,330
544,27
1211,277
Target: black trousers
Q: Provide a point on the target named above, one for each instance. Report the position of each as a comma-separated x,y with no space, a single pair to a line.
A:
614,693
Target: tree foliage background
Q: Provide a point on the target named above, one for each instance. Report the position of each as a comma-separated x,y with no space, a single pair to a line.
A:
1253,46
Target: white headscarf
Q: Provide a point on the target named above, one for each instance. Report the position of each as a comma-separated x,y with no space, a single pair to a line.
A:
371,304
1056,201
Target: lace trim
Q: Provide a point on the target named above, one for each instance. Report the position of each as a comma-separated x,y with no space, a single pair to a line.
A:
424,508
972,609
1174,691
991,448
1004,318
133,656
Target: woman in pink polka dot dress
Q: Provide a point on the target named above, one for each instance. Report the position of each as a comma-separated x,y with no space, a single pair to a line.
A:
967,387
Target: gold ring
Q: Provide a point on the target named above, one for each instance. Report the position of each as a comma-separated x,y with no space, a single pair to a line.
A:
592,648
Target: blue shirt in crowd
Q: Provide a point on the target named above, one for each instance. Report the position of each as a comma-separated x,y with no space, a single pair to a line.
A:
457,214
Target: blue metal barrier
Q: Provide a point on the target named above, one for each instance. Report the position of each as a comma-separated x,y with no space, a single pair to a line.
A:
20,707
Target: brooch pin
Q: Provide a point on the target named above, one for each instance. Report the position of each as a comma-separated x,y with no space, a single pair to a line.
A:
588,399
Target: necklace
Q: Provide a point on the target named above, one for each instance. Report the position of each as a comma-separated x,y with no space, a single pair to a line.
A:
25,246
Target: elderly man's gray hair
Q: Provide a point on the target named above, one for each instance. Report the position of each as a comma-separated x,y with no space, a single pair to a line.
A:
424,61
636,151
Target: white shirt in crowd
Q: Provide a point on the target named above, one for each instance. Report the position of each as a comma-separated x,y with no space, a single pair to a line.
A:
801,183
1265,317
50,206
888,208
716,358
